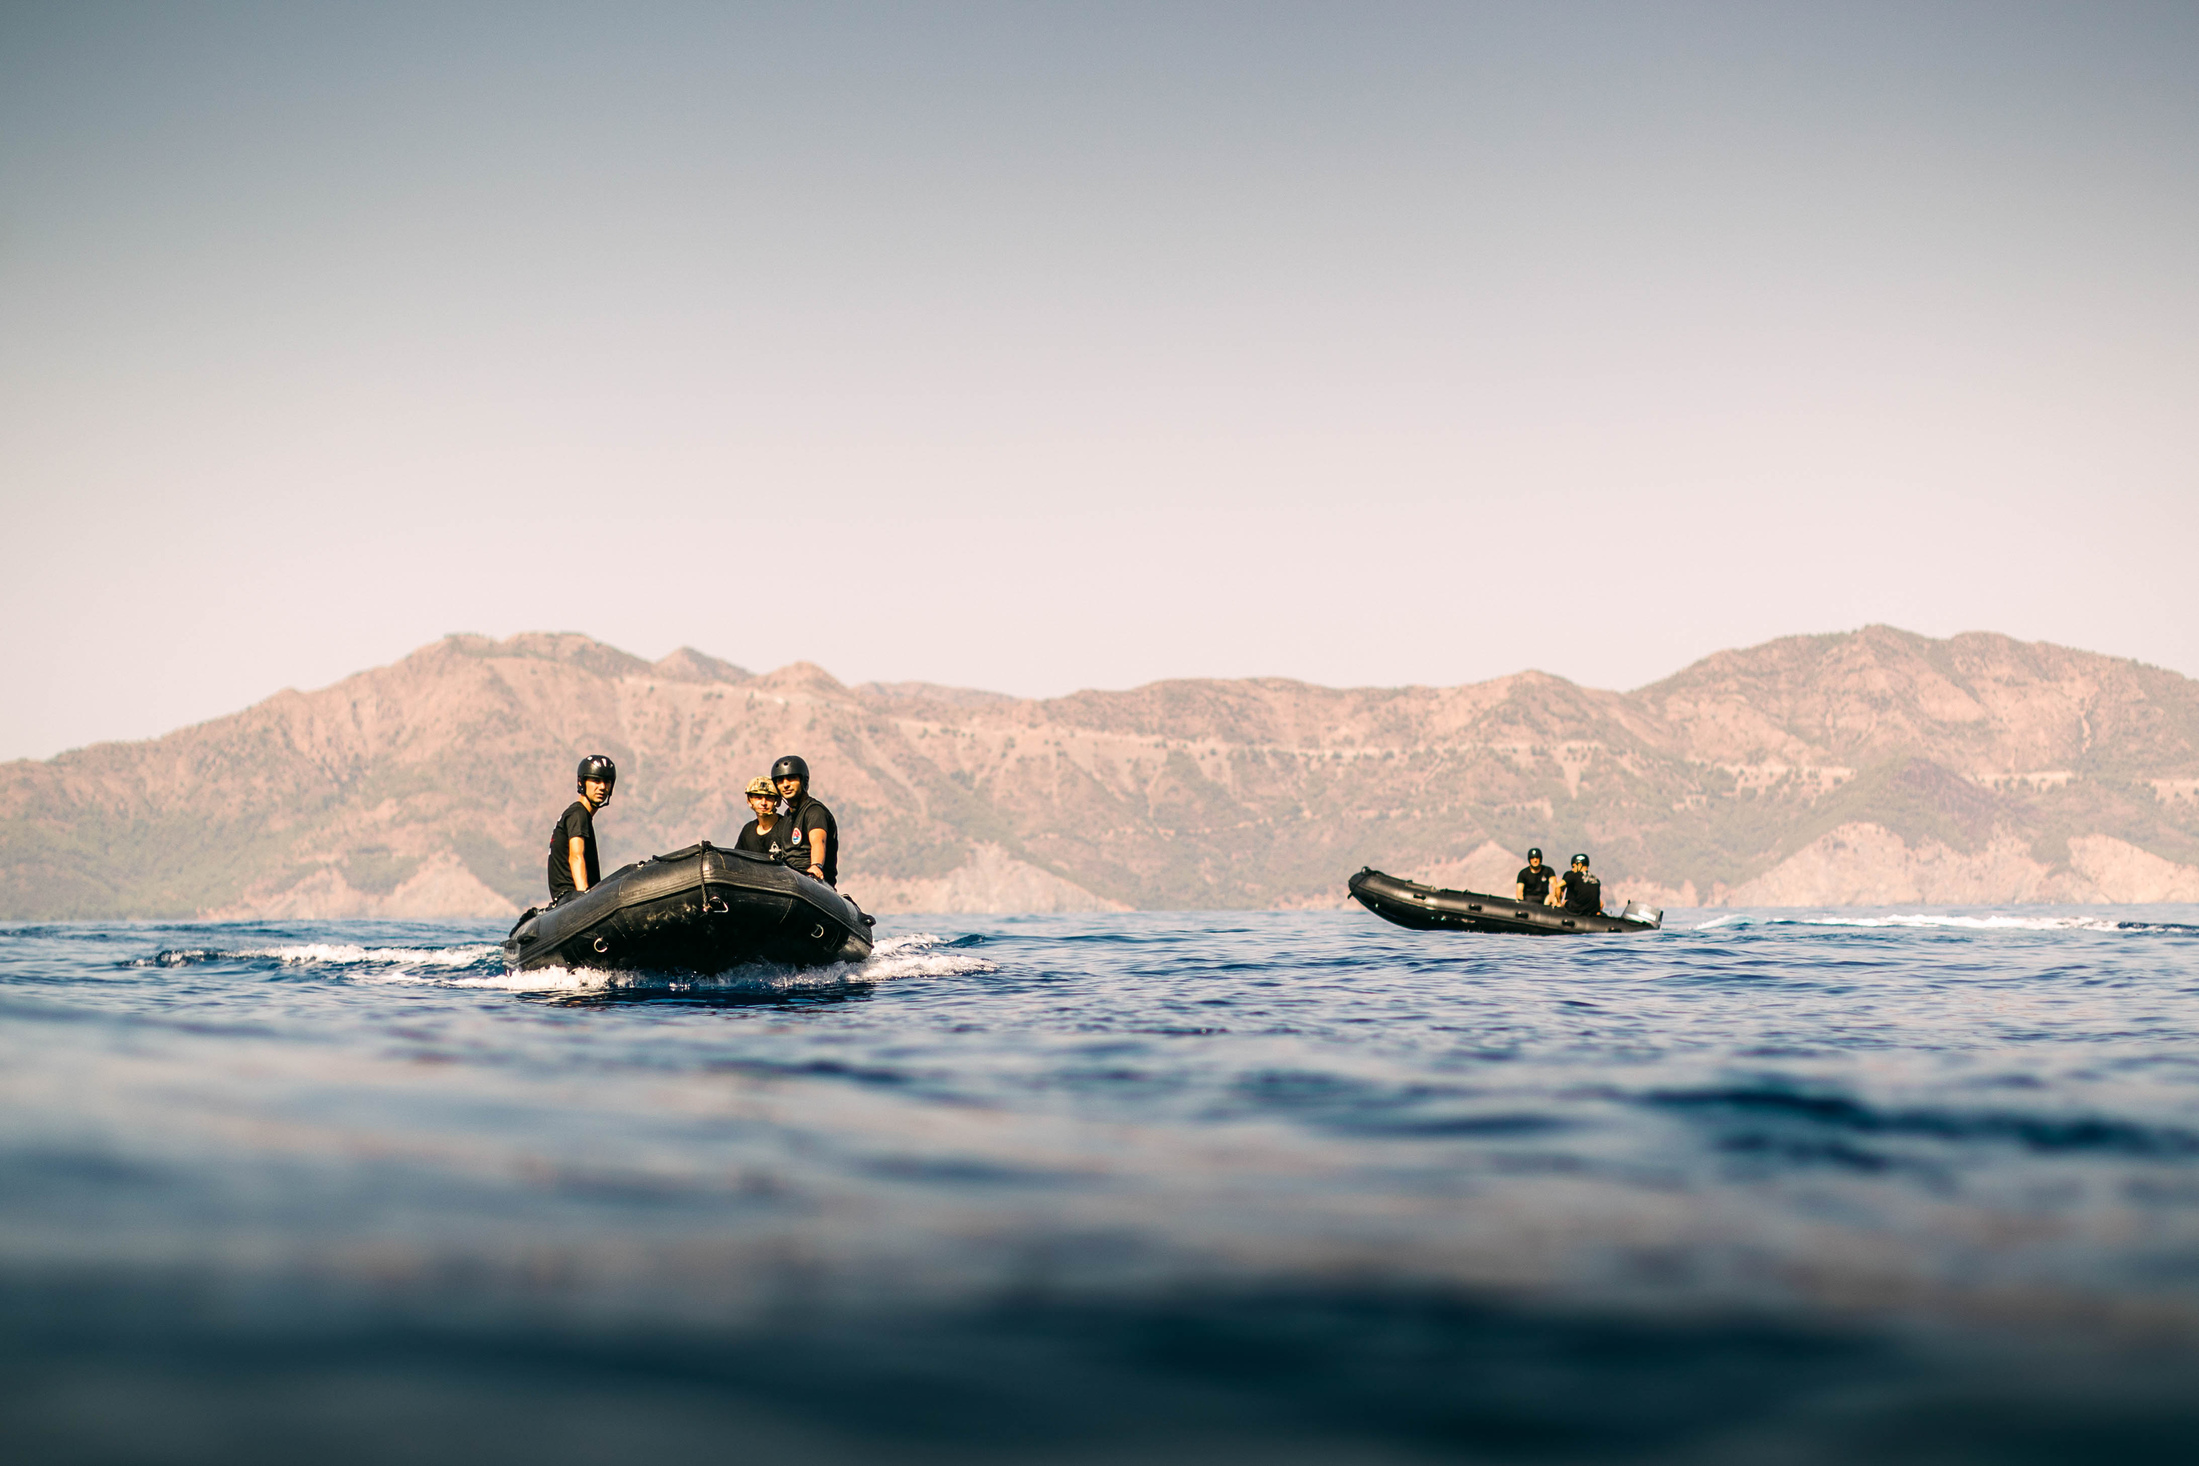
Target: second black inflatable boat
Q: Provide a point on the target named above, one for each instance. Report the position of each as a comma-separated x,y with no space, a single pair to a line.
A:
1431,908
697,910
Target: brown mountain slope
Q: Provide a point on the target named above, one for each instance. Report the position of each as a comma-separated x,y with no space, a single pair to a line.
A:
1876,766
1991,706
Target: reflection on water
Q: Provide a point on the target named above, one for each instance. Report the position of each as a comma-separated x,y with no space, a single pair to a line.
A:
1799,1187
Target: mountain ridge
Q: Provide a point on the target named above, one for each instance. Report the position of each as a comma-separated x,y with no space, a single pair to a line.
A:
1865,767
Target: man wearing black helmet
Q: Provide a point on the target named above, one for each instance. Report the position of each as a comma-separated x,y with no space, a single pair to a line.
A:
1532,885
573,864
1583,892
808,820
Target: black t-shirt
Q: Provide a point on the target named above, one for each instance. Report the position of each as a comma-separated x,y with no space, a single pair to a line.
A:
576,823
1535,879
806,815
773,844
1583,893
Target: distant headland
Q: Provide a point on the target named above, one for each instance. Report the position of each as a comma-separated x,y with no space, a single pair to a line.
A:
1864,768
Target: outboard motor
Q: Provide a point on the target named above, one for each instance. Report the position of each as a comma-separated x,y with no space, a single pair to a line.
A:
1646,915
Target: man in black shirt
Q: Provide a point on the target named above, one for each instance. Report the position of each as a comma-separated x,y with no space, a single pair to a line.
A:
808,820
1583,892
573,864
768,833
1533,882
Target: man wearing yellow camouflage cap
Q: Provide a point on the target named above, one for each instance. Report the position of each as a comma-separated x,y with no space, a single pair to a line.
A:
766,833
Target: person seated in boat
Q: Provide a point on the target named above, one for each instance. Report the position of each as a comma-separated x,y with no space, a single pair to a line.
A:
766,834
573,864
808,821
1583,891
1532,885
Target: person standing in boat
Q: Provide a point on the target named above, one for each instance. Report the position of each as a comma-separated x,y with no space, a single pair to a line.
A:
808,822
766,834
1583,891
1532,885
573,864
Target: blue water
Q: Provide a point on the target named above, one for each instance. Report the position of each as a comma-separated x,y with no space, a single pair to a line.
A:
1890,1186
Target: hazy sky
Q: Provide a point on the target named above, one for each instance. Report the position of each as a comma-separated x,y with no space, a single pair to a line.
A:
1037,347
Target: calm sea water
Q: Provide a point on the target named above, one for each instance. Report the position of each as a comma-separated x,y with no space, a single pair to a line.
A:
1862,1186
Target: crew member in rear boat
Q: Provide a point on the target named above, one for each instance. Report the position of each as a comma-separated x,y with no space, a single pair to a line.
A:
1583,891
1532,885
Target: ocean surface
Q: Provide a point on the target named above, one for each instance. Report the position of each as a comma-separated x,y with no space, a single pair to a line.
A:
1778,1187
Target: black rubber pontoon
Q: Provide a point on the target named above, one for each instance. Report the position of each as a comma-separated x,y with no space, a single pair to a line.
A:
1431,908
701,909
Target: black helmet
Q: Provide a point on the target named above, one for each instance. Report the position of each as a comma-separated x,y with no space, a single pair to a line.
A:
596,766
791,766
1534,852
1580,860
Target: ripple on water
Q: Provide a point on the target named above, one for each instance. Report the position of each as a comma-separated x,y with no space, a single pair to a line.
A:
1787,1185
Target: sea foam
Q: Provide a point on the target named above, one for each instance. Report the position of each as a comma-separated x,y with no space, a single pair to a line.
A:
1943,921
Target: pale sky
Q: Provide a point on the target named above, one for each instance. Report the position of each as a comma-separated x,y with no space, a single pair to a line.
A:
1037,347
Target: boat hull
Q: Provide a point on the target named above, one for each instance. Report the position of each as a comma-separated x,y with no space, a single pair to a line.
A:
697,910
1431,908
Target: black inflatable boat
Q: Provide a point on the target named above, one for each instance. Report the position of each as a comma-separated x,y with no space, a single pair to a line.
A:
698,910
1430,908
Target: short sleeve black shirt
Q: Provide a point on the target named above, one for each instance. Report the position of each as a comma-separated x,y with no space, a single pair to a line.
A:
1534,882
1583,893
810,815
575,823
756,842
